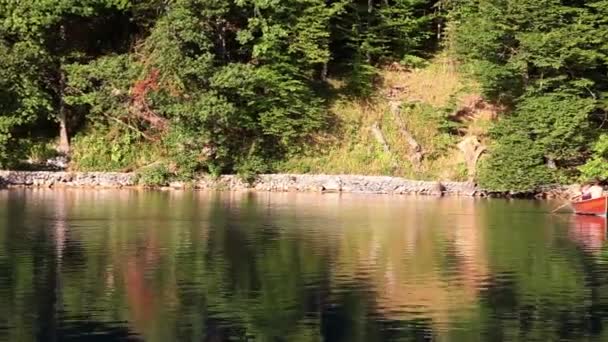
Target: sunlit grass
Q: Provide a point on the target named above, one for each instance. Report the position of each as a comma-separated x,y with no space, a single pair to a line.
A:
427,97
434,84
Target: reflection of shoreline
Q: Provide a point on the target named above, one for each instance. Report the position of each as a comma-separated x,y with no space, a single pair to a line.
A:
149,299
588,231
251,249
134,264
418,268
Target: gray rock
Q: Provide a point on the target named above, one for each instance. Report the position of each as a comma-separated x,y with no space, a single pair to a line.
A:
332,184
177,185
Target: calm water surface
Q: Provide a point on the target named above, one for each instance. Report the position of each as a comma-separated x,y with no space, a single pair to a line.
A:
187,266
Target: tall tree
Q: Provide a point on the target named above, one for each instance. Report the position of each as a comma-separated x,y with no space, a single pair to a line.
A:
59,32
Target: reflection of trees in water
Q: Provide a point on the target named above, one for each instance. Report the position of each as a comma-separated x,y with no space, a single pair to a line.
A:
238,278
539,286
184,266
420,269
41,256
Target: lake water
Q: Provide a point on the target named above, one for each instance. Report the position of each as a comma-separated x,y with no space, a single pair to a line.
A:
106,265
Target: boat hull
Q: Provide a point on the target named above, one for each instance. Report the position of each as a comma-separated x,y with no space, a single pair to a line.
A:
596,206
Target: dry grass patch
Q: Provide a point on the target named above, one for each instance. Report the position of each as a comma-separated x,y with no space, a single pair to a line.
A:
434,85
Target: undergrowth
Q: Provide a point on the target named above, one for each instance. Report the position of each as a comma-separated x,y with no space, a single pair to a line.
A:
154,175
429,97
99,149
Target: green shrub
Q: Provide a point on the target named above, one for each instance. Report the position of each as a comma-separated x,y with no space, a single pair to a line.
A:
597,167
249,168
41,151
515,164
414,62
115,149
155,175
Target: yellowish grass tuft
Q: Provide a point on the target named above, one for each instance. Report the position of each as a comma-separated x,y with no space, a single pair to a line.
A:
433,85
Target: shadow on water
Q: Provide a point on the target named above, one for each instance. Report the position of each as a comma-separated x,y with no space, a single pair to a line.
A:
160,266
91,331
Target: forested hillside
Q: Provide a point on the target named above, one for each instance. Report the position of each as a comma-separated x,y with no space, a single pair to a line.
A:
172,88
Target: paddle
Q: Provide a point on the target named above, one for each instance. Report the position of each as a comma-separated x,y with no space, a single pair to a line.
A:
558,208
561,206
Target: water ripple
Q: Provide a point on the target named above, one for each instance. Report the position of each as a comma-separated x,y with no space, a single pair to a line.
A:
157,267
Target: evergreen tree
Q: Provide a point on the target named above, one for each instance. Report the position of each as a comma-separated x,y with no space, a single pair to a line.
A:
547,60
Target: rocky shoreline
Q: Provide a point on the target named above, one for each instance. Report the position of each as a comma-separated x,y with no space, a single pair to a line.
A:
266,183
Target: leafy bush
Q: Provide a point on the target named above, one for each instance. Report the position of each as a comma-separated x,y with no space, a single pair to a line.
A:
597,167
362,78
414,62
41,151
116,149
155,175
249,168
515,164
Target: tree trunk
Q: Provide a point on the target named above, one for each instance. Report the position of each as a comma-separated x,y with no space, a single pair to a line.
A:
324,72
439,22
377,132
370,8
64,141
223,40
64,138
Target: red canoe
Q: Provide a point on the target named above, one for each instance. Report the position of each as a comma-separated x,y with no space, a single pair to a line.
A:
597,206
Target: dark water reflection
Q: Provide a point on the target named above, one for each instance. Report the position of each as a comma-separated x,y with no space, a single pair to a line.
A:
154,266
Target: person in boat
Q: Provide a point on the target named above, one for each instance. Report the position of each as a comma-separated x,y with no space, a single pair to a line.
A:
592,191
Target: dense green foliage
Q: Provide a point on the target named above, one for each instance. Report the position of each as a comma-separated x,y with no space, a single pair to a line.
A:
237,86
210,86
597,167
547,61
